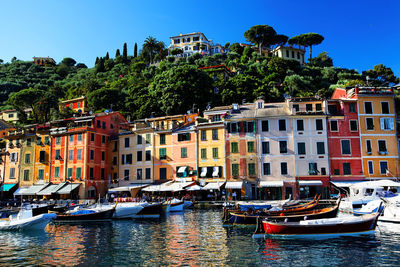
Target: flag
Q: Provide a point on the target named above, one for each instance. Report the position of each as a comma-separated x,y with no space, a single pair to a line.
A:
387,172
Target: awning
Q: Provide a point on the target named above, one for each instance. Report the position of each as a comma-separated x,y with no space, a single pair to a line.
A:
182,169
381,183
31,191
48,190
6,187
234,185
203,172
177,186
212,186
310,183
345,184
20,191
126,188
271,183
215,172
193,188
156,187
68,189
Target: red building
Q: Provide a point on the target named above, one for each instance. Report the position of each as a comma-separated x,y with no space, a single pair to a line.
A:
79,152
344,139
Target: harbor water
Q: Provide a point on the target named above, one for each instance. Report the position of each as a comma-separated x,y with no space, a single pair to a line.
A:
194,237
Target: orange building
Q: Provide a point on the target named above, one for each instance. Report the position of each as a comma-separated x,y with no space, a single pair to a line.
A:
77,104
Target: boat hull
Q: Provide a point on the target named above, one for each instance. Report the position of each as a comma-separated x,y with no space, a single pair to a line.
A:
37,222
149,211
90,217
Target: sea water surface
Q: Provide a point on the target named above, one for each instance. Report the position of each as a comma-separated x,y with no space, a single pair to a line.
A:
190,238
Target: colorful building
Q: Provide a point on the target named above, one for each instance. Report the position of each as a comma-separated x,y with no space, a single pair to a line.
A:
192,43
77,104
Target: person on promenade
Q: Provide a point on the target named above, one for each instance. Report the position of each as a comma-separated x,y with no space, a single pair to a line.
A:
234,195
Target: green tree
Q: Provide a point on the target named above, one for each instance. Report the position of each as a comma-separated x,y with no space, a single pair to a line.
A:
135,51
307,40
125,53
70,62
264,36
380,75
151,46
117,53
102,98
107,56
322,60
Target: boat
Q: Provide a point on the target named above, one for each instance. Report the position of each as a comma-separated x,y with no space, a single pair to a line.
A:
149,210
251,218
319,228
25,220
85,215
390,212
187,204
173,205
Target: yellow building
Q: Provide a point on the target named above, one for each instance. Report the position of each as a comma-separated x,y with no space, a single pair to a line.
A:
77,104
195,42
377,119
13,157
42,155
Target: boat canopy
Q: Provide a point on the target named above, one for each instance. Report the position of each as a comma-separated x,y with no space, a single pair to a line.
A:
271,183
234,185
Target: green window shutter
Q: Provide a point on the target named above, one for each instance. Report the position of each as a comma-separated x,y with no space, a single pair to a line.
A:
78,172
57,172
69,172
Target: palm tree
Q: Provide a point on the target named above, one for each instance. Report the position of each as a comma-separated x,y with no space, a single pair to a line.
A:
150,45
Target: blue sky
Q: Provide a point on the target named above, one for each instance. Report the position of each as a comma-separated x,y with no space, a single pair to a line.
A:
358,34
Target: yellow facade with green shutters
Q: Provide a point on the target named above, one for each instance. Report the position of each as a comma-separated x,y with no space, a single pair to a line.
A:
42,157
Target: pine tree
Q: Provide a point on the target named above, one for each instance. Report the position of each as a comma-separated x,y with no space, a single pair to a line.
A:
117,53
107,56
125,53
100,66
97,61
135,52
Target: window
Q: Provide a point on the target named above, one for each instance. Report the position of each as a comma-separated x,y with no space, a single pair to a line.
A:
252,169
78,172
41,174
12,173
58,154
383,166
148,138
58,141
334,126
46,140
162,139
26,175
387,124
370,167
323,171
70,172
104,124
284,170
57,172
216,118
71,138
346,168
382,147
114,161
184,137
98,124
215,152
92,137
266,168
312,168
163,153
368,107
282,125
249,127
203,134
352,107
233,127
139,139
385,107
91,154
70,155
27,158
80,137
370,123
235,169
332,109
283,147
123,159
308,107
139,156
319,125
250,147
148,155
369,146
103,139
126,175
353,126
163,173
79,154
300,125
203,153
183,152
115,148
320,148
264,126
301,148
148,173
346,150
234,147
126,141
215,134
39,141
318,107
296,107
103,156
287,53
42,156
265,147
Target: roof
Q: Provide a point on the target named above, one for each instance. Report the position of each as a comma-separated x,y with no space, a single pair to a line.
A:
188,34
250,111
73,100
4,125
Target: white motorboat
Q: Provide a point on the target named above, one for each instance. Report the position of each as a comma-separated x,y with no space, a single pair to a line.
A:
123,210
390,212
25,221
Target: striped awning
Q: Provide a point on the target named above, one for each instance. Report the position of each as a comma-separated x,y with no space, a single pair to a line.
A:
31,191
212,186
48,190
271,183
68,189
234,185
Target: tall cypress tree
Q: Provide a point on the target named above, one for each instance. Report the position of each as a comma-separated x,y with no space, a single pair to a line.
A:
125,53
135,52
97,61
107,56
117,53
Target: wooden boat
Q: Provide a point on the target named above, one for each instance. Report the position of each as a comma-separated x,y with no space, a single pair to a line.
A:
25,220
320,228
85,215
173,205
